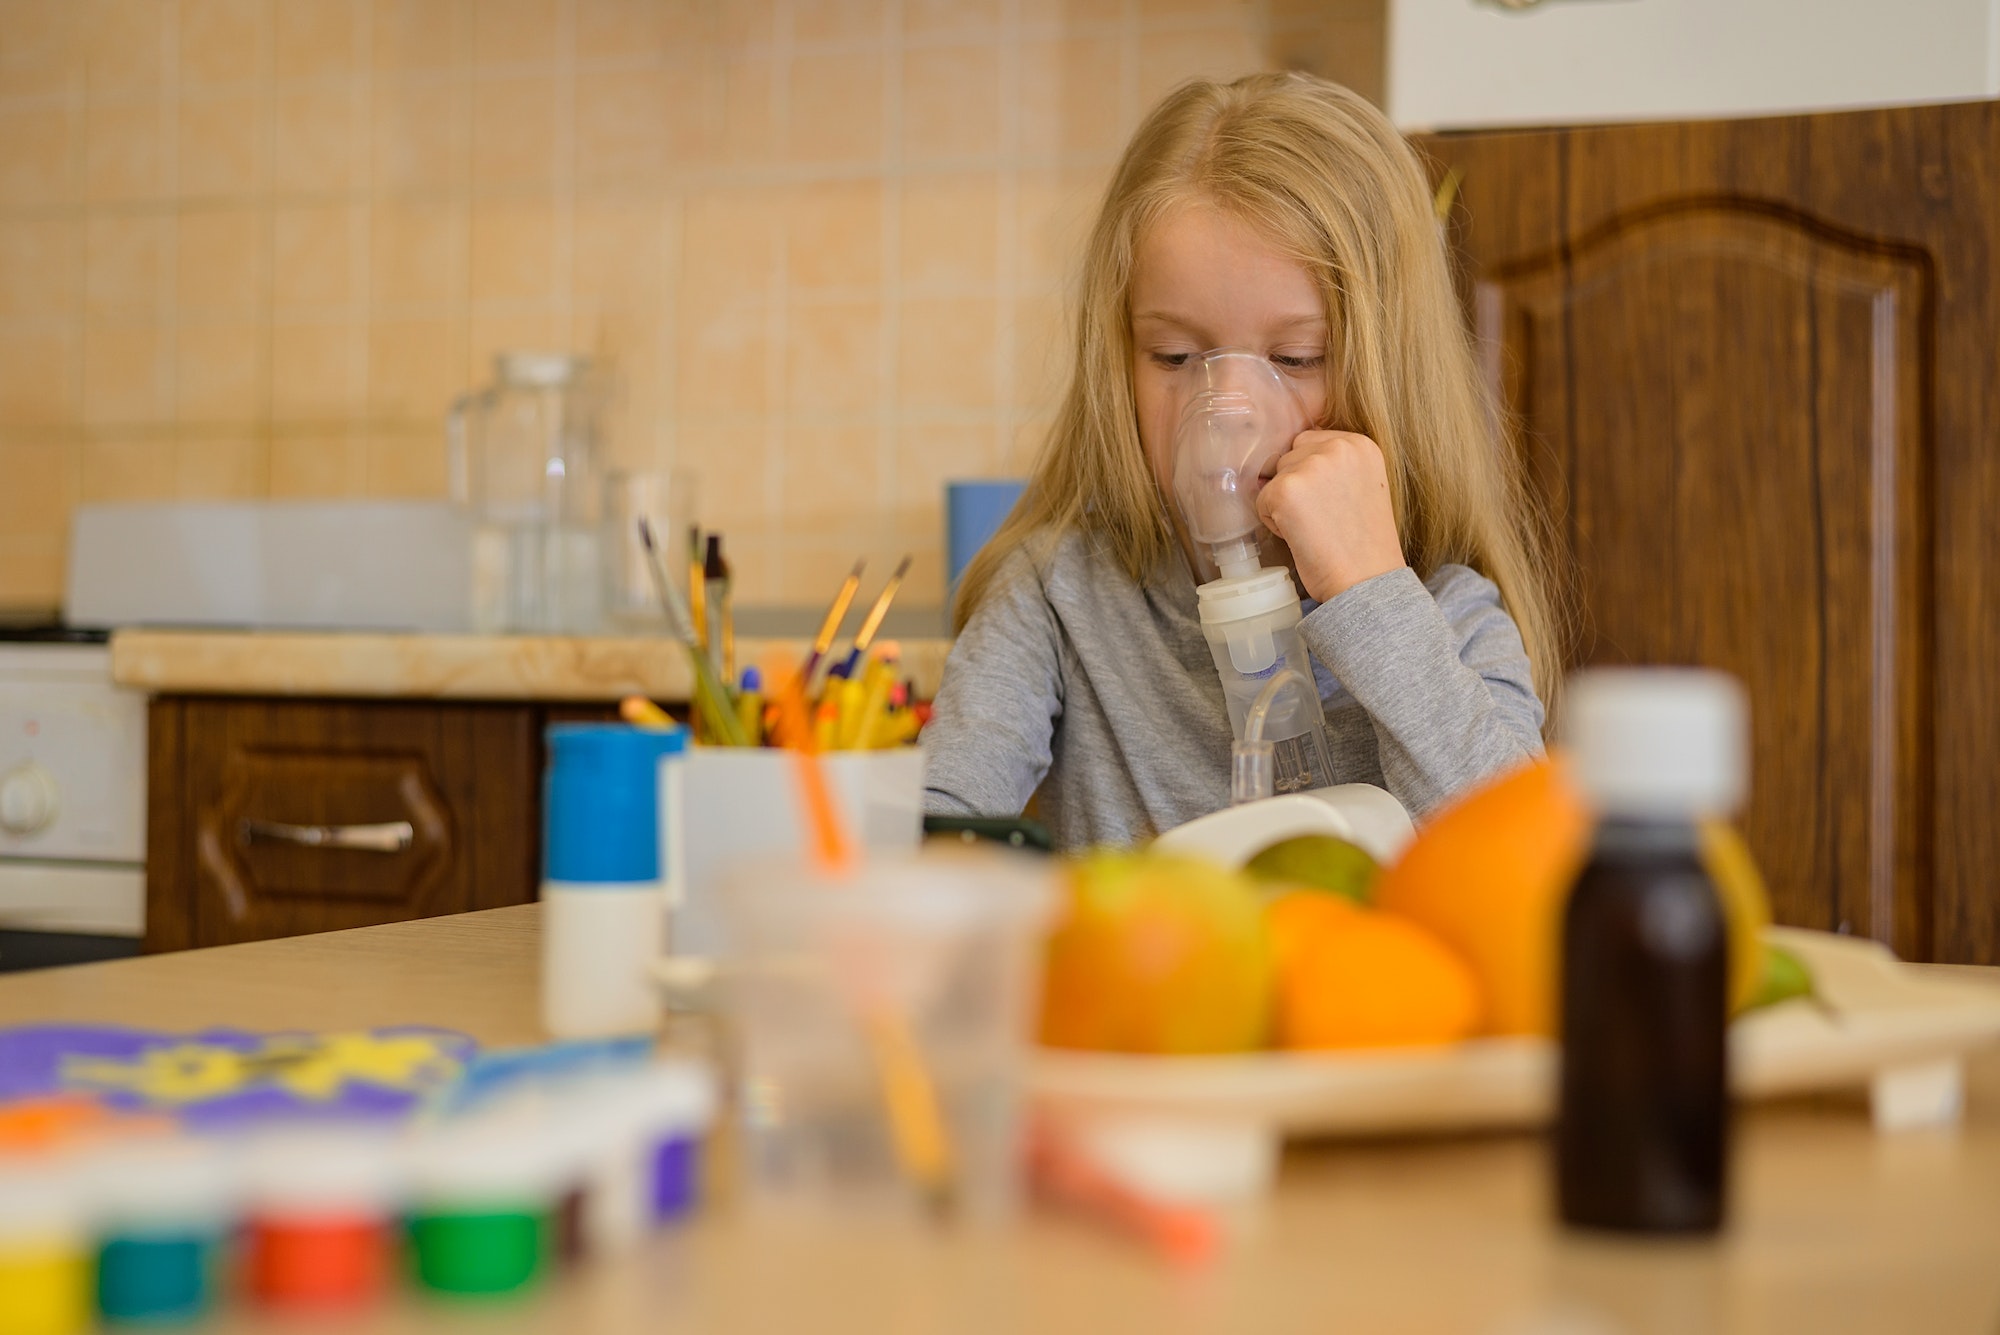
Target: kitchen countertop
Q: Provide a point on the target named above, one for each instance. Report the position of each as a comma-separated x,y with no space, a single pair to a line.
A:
339,664
1835,1228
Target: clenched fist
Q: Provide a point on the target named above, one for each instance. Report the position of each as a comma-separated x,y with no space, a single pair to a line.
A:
1329,501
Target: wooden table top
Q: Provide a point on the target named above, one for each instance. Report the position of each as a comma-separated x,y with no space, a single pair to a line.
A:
1834,1228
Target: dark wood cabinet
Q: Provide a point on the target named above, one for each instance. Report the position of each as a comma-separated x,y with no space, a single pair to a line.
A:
253,803
1755,368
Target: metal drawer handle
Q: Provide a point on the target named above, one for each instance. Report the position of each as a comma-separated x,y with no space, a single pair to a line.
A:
389,837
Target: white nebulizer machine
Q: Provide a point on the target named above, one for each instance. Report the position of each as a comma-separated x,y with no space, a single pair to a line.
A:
1238,417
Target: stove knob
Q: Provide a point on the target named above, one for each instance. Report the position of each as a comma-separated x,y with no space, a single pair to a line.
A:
28,799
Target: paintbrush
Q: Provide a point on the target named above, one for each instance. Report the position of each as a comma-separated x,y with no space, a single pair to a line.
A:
710,698
830,626
881,607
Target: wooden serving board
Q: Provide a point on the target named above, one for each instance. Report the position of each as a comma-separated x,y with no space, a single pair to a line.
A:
1872,1024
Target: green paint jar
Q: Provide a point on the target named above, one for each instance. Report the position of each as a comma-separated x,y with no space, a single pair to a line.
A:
496,1251
155,1276
482,1192
161,1208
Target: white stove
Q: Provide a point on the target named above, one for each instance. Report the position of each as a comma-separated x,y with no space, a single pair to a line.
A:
72,792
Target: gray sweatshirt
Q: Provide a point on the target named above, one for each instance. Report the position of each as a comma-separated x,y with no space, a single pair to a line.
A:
1100,694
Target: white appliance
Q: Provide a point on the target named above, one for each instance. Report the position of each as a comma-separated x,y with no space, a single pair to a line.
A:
1462,64
72,793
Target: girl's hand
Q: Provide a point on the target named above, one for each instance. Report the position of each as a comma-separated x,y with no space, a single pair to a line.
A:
1329,502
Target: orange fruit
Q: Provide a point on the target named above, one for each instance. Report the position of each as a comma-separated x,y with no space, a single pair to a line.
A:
1157,954
1352,977
1488,875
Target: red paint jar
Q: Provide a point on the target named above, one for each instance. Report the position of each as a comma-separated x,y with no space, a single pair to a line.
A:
322,1205
325,1262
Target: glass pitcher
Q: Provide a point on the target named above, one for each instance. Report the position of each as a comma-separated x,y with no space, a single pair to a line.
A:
525,455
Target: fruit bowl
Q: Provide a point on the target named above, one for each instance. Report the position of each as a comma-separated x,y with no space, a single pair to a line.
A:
1873,1023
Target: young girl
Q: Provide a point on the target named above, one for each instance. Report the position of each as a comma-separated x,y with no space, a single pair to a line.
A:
1283,215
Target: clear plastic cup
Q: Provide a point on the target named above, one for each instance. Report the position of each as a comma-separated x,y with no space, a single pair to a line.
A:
865,997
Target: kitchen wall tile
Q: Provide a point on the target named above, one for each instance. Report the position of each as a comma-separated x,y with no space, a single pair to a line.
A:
316,39
932,450
1054,212
413,35
1070,97
731,245
1156,11
416,368
219,149
408,466
1174,56
318,467
123,158
220,42
1042,15
220,260
747,132
961,18
950,233
124,46
39,261
622,124
315,372
834,360
1044,355
417,254
1024,446
513,33
37,376
513,251
319,140
312,257
947,354
36,498
693,119
951,102
231,469
422,134
219,372
639,30
35,156
125,373
125,469
746,22
733,461
837,20
833,236
830,473
618,252
31,566
43,35
513,130
724,359
836,110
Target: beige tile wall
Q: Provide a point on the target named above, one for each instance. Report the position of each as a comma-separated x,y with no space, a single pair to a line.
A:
254,247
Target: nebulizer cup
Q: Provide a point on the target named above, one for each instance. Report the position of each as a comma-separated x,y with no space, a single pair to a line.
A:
1238,416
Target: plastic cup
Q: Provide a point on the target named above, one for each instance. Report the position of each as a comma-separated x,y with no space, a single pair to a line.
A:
847,987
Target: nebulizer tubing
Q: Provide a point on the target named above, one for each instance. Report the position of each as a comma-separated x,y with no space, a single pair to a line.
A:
1253,761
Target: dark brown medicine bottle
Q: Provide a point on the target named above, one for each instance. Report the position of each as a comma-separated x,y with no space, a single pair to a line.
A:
1642,1132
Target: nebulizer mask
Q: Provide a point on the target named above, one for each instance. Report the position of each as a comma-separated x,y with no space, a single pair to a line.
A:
1238,415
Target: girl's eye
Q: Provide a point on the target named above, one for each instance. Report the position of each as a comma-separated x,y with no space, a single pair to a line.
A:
1170,360
1299,361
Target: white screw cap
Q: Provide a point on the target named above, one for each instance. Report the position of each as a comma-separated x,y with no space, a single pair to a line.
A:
1659,742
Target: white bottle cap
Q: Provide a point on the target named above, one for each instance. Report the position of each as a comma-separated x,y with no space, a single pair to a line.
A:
1659,742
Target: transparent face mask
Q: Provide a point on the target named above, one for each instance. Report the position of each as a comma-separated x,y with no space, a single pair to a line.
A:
1238,415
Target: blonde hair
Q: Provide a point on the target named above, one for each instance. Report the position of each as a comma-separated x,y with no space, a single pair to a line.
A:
1322,173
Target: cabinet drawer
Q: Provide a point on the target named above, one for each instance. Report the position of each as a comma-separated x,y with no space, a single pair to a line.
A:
273,818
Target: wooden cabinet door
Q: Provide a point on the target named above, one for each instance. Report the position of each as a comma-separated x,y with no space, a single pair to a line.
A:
1755,364
261,798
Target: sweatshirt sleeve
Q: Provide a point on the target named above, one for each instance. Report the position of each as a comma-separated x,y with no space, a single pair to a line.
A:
1441,671
988,743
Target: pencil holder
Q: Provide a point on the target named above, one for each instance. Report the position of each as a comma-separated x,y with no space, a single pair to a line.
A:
734,803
